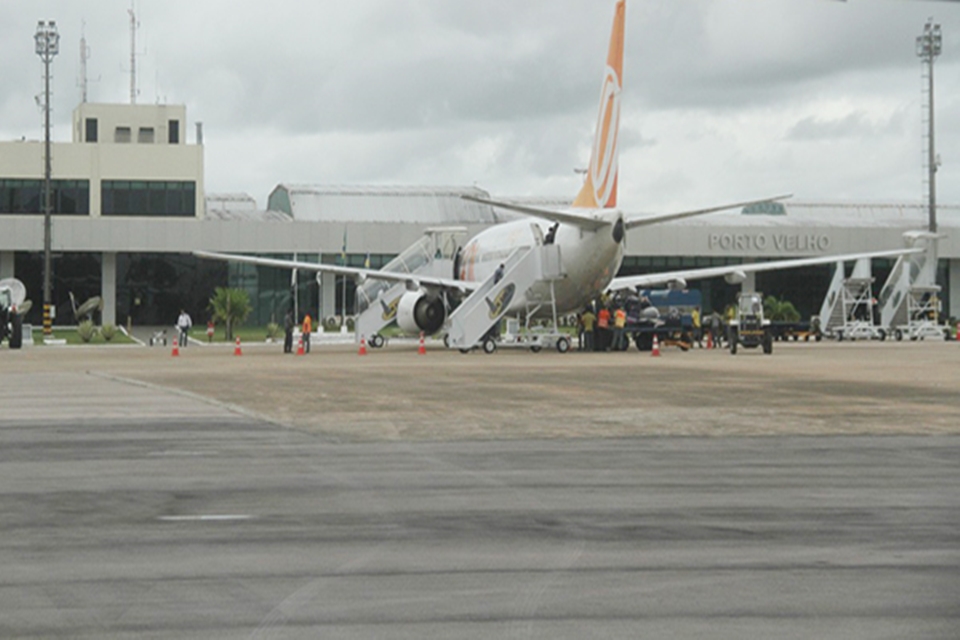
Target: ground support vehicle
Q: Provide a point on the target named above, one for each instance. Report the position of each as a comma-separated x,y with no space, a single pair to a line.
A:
11,322
806,331
668,335
533,338
750,329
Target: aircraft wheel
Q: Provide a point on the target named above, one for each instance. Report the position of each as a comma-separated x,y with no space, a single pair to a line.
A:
376,341
464,351
898,335
883,335
563,345
489,345
536,348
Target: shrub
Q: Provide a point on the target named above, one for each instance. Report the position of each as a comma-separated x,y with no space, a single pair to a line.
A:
86,330
273,330
108,331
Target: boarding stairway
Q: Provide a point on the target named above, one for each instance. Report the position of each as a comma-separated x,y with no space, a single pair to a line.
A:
431,255
909,282
848,308
485,307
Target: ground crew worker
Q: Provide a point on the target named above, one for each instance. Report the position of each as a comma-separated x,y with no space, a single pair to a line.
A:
697,332
619,325
306,331
602,342
588,319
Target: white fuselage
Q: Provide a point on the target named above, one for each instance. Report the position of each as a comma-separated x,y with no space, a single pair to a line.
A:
589,259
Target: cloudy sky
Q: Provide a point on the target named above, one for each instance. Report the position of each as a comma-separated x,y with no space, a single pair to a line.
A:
723,99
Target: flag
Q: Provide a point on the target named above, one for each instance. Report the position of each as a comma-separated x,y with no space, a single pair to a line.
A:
366,261
343,251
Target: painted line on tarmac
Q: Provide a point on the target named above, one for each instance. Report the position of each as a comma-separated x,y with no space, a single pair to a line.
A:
233,408
206,518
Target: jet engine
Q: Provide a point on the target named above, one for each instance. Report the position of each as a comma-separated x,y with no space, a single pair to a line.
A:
677,284
736,277
420,311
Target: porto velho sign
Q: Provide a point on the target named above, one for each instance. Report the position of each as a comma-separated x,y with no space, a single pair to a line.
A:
775,242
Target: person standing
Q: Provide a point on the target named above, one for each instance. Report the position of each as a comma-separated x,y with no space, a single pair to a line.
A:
183,327
619,329
589,319
307,329
602,342
697,328
288,323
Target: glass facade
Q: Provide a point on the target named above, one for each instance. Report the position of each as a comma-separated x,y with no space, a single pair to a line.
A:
147,198
153,287
68,197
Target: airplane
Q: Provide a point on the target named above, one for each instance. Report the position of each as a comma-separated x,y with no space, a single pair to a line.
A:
590,235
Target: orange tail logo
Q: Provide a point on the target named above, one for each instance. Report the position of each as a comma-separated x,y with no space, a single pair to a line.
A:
600,187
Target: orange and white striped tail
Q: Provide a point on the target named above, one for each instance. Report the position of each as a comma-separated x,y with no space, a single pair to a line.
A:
600,187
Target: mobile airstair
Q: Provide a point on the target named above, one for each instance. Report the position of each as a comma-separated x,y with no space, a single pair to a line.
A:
910,299
471,323
848,308
431,255
923,310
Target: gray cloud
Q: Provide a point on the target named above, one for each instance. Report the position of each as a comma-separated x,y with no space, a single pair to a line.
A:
503,93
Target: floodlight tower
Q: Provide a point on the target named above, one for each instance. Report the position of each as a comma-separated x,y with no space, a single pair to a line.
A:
48,45
929,46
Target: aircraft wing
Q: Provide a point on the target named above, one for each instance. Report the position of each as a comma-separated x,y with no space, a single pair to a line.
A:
588,222
353,272
665,277
640,221
595,220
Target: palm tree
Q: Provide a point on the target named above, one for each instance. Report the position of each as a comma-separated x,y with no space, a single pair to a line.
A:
230,307
780,310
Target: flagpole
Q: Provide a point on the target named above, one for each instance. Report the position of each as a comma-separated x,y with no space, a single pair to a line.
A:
343,296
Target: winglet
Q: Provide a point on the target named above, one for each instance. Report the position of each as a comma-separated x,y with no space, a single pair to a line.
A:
600,187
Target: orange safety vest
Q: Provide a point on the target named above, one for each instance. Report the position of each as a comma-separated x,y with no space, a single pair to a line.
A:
307,325
603,319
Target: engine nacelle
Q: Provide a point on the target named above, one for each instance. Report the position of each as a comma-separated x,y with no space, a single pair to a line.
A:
419,311
677,284
737,277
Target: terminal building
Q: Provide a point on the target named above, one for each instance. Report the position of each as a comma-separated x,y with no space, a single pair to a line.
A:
129,206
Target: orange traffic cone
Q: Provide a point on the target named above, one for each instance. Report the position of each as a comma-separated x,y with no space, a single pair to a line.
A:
176,348
423,348
656,347
236,349
300,351
363,347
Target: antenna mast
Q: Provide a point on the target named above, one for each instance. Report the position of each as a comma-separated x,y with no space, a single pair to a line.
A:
84,56
133,54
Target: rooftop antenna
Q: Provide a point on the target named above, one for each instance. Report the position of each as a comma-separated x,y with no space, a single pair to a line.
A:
133,53
84,56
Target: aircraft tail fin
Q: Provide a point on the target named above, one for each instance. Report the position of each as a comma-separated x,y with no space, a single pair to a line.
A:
600,187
